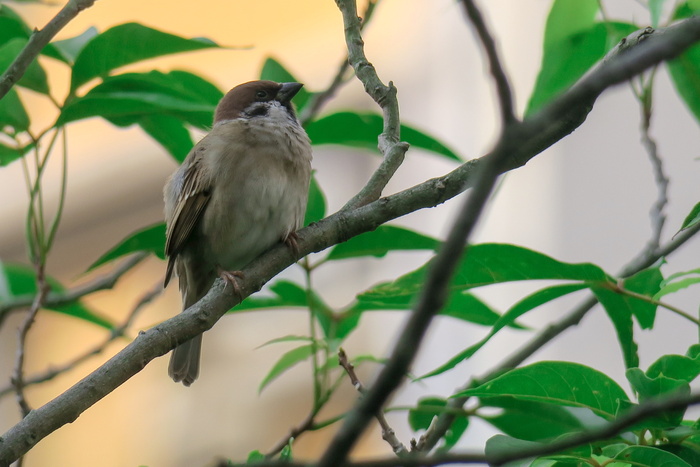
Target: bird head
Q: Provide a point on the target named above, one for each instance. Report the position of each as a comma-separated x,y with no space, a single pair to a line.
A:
255,99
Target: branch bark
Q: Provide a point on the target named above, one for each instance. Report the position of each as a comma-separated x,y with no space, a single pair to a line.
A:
533,135
637,414
69,296
392,149
39,39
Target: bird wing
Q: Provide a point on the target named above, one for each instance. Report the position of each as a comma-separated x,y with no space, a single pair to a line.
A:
192,199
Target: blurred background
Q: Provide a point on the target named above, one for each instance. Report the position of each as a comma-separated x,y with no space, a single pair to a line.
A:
586,199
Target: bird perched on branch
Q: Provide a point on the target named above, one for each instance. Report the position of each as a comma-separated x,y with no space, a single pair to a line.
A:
240,190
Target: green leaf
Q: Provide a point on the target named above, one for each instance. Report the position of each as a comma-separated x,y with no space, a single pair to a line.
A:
531,421
690,454
680,367
12,28
34,77
617,308
655,9
125,44
568,17
508,319
170,132
691,219
362,129
286,294
646,456
420,417
8,154
650,388
493,263
67,50
127,98
255,456
559,383
12,112
685,74
273,70
194,86
646,282
672,283
500,445
150,239
620,309
316,206
286,452
290,338
567,59
382,240
19,281
460,305
287,361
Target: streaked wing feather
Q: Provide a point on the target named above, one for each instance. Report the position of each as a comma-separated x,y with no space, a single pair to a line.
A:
188,211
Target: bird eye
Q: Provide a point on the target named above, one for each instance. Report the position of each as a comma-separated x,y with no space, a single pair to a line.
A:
261,94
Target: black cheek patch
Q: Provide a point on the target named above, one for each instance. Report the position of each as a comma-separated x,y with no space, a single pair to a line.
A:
257,111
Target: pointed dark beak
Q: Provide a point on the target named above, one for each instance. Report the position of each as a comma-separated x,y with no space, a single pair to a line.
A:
288,91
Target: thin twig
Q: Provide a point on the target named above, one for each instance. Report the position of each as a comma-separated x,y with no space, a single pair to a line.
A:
657,303
317,100
54,299
304,426
39,40
17,379
549,125
643,260
391,148
639,413
503,89
388,433
115,334
656,214
431,300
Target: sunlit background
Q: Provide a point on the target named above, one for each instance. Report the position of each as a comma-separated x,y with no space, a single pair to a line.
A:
586,199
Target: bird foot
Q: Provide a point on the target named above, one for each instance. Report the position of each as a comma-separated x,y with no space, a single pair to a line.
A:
231,277
292,241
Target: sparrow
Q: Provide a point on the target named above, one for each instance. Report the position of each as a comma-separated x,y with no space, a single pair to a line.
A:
241,189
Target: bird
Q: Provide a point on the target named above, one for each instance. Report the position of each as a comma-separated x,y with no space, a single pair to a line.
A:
242,189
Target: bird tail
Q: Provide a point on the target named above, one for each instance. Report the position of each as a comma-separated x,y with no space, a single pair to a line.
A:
184,361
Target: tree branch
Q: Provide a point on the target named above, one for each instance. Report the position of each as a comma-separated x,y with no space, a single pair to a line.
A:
505,95
17,379
639,413
656,214
341,77
431,300
54,299
388,433
644,260
535,133
393,150
39,40
441,268
113,335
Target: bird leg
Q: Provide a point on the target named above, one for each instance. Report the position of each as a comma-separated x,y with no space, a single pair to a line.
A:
292,241
231,277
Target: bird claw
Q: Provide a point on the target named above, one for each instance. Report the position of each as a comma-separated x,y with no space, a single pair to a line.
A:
292,241
231,277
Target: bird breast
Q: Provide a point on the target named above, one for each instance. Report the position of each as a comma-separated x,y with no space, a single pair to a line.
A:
260,188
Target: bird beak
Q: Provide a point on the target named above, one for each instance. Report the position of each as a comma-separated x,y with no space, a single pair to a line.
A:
288,91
